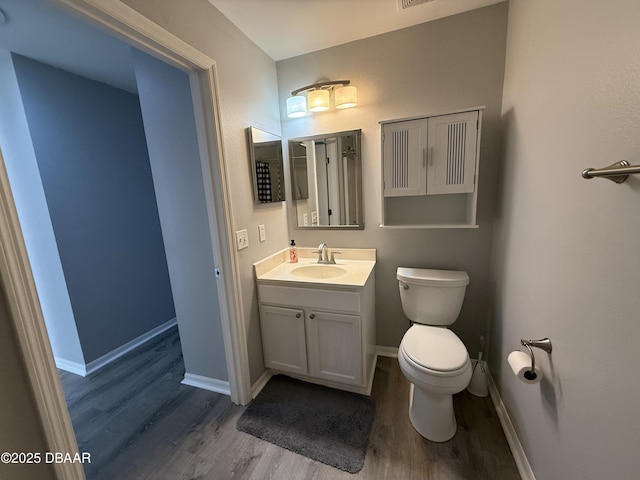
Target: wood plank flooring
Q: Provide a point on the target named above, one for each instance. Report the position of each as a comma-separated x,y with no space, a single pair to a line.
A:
139,423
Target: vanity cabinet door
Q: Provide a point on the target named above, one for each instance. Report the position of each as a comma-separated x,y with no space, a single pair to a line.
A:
334,346
283,338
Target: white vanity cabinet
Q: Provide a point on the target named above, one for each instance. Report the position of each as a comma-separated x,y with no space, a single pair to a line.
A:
318,334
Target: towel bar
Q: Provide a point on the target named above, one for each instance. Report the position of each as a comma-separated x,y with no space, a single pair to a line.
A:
617,172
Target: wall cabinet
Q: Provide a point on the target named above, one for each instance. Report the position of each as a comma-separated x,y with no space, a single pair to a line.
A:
430,170
320,335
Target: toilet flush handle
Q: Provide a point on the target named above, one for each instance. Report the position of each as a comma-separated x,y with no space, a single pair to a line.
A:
403,285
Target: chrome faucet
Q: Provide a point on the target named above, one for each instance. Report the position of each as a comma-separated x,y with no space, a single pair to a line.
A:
323,254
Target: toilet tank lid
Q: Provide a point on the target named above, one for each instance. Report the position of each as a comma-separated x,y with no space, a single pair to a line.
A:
439,278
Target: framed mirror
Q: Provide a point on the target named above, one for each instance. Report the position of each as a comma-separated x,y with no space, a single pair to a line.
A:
326,180
267,166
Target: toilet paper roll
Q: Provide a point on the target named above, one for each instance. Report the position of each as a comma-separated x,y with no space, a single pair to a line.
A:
520,363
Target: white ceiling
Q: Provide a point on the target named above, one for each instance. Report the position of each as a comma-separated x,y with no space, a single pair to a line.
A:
287,28
282,28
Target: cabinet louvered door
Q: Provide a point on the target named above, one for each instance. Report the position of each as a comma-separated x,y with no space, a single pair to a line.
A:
452,153
404,152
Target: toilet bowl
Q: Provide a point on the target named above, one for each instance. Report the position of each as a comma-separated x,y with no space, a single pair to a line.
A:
434,378
430,355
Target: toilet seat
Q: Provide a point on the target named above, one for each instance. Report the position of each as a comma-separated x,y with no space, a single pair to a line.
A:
434,351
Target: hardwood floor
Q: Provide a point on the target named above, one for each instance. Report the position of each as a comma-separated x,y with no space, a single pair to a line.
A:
139,423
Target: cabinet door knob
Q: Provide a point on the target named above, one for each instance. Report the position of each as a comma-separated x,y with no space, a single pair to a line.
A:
298,315
312,316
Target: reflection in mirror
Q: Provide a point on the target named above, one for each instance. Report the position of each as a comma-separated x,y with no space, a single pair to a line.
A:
326,180
267,168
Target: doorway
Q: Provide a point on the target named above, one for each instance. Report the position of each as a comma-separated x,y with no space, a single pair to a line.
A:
76,155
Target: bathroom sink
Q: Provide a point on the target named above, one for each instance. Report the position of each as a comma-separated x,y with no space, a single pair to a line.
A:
353,269
318,271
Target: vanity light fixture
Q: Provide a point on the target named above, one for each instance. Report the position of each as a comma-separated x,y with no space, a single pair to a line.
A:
346,97
318,97
296,106
318,100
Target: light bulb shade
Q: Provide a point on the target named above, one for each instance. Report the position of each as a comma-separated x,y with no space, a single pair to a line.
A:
318,100
346,97
296,106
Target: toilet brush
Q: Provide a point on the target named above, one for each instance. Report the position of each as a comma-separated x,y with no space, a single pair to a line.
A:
478,384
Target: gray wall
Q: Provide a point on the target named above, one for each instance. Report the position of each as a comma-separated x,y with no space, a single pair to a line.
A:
26,186
165,97
92,156
20,429
448,64
248,95
566,250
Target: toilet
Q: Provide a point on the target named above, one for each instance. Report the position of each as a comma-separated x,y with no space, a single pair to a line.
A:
431,356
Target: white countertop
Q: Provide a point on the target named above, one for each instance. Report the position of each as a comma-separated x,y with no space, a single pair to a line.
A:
358,264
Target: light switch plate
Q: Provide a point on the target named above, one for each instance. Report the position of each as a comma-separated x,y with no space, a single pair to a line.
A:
262,233
242,239
305,219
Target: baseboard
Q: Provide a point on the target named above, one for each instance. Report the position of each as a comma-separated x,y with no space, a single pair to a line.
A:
87,369
113,355
257,387
383,351
510,432
207,383
71,367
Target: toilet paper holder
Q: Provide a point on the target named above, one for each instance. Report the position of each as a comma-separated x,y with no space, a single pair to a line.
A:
543,344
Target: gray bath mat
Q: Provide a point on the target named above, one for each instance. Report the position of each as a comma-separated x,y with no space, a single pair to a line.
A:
324,424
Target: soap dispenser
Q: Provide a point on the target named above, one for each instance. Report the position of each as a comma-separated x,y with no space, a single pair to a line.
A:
293,252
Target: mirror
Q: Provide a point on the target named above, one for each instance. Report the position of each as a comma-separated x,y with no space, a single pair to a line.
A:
267,168
326,180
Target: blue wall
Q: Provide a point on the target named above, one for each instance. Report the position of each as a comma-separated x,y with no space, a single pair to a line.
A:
91,150
167,109
35,222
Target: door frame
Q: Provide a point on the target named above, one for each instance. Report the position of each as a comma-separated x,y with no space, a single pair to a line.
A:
15,270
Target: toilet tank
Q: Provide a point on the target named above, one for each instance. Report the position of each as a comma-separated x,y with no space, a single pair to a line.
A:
431,297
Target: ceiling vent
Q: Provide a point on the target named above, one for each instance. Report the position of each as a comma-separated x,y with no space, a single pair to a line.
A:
404,4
